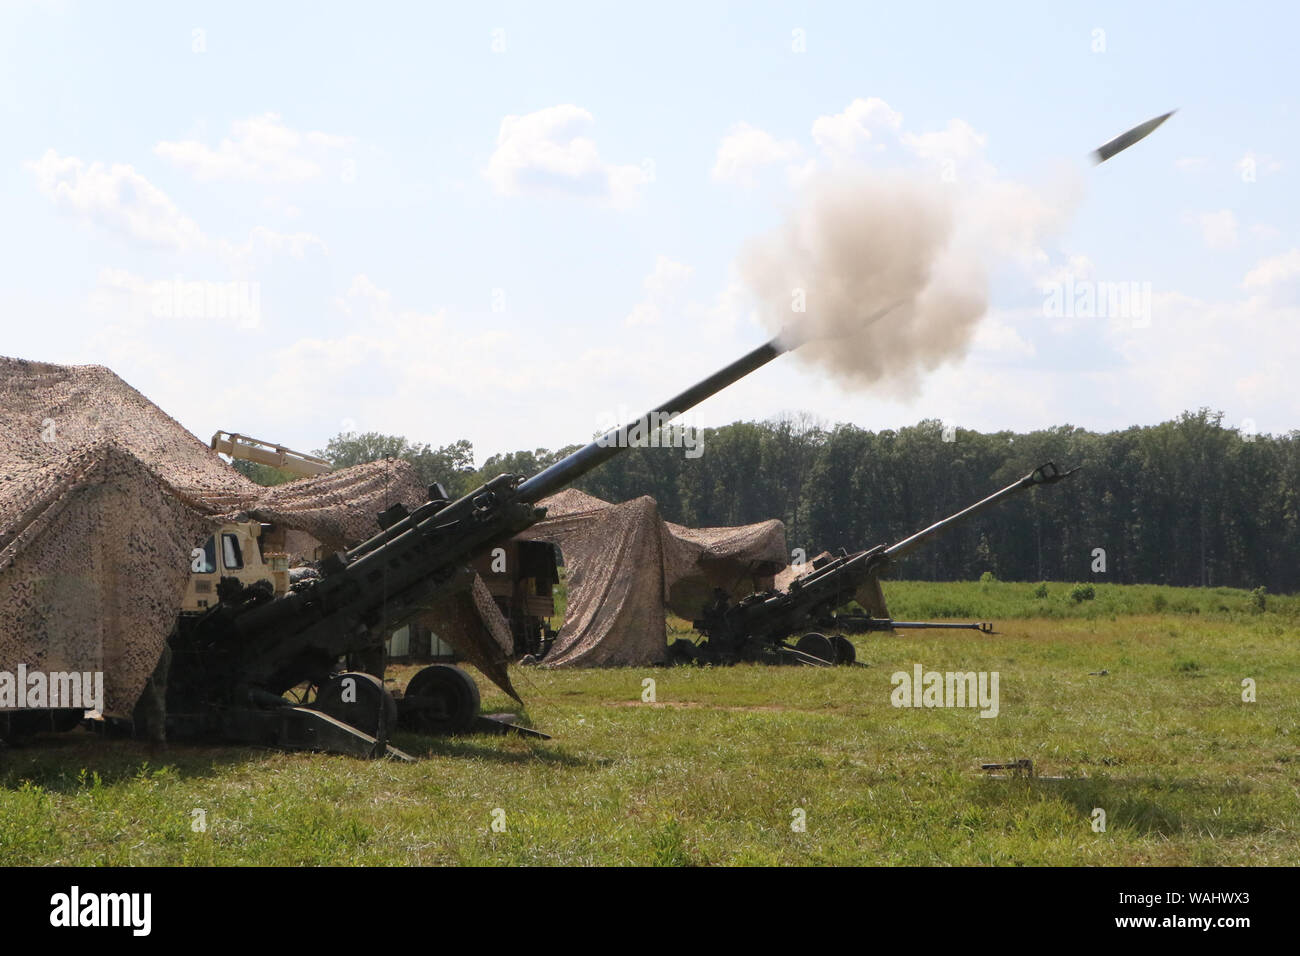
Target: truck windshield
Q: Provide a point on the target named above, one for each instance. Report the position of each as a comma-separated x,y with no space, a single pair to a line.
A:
231,555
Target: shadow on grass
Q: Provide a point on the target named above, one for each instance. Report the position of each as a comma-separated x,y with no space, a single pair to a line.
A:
473,746
78,760
75,761
1146,805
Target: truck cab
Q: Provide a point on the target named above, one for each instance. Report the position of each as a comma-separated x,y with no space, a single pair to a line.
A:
234,551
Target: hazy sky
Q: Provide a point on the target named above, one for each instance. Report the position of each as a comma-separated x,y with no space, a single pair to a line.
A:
501,222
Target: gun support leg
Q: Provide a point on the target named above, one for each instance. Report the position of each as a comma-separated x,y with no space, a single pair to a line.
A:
304,728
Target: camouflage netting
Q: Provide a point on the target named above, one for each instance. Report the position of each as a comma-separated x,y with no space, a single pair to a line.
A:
625,565
102,498
869,595
471,622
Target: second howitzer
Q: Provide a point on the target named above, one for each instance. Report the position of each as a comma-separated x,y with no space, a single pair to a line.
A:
759,627
232,667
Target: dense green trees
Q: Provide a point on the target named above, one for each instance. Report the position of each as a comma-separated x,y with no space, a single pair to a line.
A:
452,464
1185,502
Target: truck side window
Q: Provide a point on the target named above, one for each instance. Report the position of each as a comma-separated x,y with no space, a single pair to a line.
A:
209,557
230,553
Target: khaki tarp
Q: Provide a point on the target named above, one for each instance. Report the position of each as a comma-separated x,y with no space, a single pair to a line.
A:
625,565
102,498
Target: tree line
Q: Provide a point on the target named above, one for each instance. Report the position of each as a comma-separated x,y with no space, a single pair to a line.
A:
1185,502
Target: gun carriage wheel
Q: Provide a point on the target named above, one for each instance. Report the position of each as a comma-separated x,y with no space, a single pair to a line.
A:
359,700
819,646
440,700
845,652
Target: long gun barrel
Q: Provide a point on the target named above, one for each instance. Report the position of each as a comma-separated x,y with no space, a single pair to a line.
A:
849,572
761,623
583,460
1045,474
252,646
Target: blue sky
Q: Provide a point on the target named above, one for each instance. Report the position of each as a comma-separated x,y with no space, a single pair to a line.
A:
426,266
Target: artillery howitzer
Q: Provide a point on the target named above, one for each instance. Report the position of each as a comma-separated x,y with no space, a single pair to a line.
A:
758,627
232,666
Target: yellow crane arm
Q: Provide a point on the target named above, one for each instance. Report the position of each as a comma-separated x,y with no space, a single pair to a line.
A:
268,453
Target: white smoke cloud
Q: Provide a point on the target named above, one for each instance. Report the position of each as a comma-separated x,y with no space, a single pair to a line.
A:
883,271
864,274
883,277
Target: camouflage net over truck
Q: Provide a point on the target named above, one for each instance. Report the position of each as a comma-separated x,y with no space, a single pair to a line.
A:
103,496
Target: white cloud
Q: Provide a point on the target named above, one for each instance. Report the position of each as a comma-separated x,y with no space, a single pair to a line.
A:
1218,229
317,138
667,278
745,149
261,149
122,296
279,206
1004,220
1273,271
1076,268
996,218
732,307
1252,164
134,312
801,176
387,366
870,125
844,134
643,313
662,286
958,143
116,197
544,153
263,245
120,199
1237,356
997,338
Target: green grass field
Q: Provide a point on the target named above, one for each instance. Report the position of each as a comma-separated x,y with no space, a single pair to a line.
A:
716,770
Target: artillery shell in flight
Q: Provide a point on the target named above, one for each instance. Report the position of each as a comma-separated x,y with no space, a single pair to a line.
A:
1125,140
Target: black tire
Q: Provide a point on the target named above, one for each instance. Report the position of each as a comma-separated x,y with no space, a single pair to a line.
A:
364,703
845,652
818,646
440,700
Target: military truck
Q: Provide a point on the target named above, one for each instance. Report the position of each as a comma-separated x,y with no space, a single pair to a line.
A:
235,551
